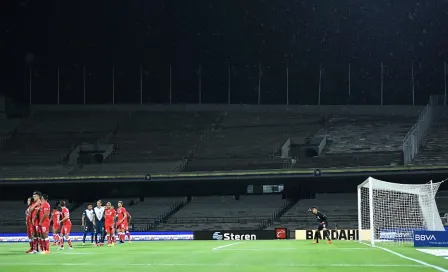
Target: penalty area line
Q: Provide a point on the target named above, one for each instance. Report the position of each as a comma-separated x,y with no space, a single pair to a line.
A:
224,246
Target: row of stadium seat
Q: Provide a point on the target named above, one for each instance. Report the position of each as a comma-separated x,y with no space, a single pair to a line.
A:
220,212
150,142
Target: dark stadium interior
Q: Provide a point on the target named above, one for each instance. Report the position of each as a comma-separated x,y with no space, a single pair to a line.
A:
236,115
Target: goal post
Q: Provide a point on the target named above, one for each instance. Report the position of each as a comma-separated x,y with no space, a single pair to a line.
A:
390,212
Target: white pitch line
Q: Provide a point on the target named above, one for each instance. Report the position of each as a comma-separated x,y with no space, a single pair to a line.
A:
224,246
414,260
408,258
220,265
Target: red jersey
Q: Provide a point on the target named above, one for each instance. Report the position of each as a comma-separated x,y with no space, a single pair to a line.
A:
35,214
121,212
28,215
56,216
109,216
45,208
66,214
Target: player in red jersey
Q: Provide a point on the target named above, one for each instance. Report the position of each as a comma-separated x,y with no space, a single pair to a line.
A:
66,226
34,209
109,215
122,221
55,217
44,224
29,225
128,234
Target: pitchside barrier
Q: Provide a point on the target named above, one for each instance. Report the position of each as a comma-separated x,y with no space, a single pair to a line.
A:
424,238
135,236
279,233
340,234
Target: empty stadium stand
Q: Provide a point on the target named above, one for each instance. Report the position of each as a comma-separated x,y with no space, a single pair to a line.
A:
341,209
149,142
361,141
248,141
47,138
224,212
434,150
7,128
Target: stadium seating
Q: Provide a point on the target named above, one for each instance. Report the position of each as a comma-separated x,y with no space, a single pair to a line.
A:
341,209
150,142
7,126
361,141
47,138
218,212
248,141
434,150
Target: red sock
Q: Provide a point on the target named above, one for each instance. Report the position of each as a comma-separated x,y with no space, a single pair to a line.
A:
31,245
121,237
128,234
108,239
61,242
47,244
35,242
69,242
58,237
42,244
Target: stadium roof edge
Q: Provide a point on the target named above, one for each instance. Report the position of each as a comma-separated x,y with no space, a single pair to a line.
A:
389,110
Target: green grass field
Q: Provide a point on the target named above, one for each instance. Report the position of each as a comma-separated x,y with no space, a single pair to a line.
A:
216,256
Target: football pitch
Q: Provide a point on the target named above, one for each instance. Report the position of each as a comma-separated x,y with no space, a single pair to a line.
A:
216,256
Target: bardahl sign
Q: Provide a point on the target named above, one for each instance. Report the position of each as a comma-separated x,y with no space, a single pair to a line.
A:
341,234
236,235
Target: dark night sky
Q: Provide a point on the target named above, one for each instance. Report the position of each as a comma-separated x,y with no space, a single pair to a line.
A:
241,33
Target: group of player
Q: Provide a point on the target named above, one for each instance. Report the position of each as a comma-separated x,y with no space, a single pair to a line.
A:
38,220
100,222
104,222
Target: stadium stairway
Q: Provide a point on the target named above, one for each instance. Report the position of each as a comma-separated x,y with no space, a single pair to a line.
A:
203,138
174,210
9,129
434,149
276,215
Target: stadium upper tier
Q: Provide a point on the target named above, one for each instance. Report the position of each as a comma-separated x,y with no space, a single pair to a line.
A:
154,142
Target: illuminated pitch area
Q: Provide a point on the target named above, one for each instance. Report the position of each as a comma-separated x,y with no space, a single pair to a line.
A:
217,256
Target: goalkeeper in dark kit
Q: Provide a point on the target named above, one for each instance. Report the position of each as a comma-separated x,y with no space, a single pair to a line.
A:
323,225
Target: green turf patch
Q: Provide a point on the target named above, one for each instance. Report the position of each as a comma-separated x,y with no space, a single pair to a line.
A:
217,256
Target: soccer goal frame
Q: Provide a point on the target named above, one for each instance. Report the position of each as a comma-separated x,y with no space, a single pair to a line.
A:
390,212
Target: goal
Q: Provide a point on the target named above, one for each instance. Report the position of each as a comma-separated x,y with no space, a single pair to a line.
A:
390,212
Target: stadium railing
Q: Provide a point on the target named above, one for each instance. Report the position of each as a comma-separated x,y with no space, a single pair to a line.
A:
415,136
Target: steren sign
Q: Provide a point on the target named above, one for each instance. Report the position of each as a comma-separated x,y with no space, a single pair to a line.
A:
232,236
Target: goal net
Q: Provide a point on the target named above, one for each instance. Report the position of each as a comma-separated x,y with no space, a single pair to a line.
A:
390,212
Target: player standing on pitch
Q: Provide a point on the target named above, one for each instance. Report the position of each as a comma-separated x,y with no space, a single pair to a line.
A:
55,217
109,216
44,224
98,223
323,224
29,225
87,224
66,226
121,221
